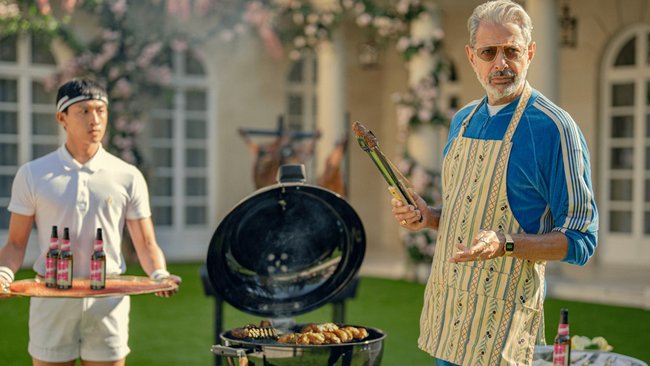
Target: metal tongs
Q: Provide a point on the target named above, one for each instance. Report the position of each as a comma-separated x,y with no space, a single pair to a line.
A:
398,185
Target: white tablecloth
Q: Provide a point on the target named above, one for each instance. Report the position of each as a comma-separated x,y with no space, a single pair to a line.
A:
544,357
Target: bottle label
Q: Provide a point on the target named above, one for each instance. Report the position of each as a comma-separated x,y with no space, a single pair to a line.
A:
50,271
64,273
99,246
560,355
563,329
97,273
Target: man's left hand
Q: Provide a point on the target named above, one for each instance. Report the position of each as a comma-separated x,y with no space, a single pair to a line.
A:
174,279
486,244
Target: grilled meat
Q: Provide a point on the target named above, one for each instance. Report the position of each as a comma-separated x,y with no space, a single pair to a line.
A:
252,331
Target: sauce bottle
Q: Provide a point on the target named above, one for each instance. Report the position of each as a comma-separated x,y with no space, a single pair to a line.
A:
98,264
65,263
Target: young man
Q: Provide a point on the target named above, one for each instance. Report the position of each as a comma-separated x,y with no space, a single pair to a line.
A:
82,187
516,193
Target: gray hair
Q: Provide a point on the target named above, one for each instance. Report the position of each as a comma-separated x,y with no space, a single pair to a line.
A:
500,12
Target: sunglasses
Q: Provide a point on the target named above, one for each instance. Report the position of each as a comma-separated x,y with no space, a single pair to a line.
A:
489,53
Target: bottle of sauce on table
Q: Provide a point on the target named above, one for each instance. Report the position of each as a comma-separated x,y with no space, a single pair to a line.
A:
98,264
65,263
562,343
51,258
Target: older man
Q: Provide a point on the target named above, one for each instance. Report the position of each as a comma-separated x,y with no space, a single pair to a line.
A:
516,193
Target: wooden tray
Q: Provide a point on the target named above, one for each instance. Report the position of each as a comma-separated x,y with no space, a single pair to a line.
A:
115,286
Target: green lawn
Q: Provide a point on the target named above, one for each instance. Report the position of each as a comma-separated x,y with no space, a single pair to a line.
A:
179,331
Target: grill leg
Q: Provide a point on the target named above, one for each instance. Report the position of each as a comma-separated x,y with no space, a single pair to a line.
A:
338,312
218,325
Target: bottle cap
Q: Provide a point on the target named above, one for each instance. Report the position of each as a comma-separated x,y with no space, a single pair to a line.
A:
55,232
99,234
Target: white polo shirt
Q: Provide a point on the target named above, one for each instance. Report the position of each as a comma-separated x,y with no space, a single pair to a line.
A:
102,193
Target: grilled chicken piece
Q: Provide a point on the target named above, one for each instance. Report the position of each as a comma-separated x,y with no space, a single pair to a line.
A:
316,334
252,331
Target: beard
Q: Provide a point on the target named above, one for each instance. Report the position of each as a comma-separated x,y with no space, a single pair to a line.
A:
507,91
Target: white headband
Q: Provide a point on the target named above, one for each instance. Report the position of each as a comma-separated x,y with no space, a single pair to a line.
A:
66,101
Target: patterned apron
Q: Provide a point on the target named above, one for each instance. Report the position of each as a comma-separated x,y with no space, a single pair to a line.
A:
484,312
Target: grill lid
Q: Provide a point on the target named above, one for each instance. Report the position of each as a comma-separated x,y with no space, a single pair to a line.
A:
286,249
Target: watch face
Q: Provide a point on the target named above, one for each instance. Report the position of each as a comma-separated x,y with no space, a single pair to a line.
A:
510,246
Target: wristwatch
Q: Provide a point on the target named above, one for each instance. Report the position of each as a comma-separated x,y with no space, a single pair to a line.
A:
509,246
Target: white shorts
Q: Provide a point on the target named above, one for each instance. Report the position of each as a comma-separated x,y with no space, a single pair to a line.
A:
93,329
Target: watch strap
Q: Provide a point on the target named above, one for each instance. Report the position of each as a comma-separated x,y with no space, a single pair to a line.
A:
509,246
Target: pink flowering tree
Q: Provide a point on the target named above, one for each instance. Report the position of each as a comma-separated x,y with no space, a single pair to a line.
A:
134,69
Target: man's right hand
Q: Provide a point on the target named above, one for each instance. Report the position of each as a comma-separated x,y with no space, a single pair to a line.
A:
409,217
6,278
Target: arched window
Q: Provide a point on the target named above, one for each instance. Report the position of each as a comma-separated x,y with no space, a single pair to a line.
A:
179,148
301,94
625,155
450,89
28,128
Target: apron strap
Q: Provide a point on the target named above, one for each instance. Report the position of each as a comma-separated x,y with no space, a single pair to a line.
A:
521,106
514,122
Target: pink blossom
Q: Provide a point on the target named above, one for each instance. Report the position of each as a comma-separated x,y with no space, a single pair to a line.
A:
420,179
271,42
44,6
179,7
382,22
122,142
403,6
108,35
149,53
203,6
68,5
113,73
121,123
312,41
135,127
298,18
327,18
128,156
295,4
312,18
161,75
122,89
299,42
403,165
50,82
403,44
404,115
119,8
310,30
255,13
348,4
178,45
294,55
364,20
109,49
9,10
425,114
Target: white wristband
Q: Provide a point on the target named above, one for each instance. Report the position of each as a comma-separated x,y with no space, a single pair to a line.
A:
7,274
159,274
